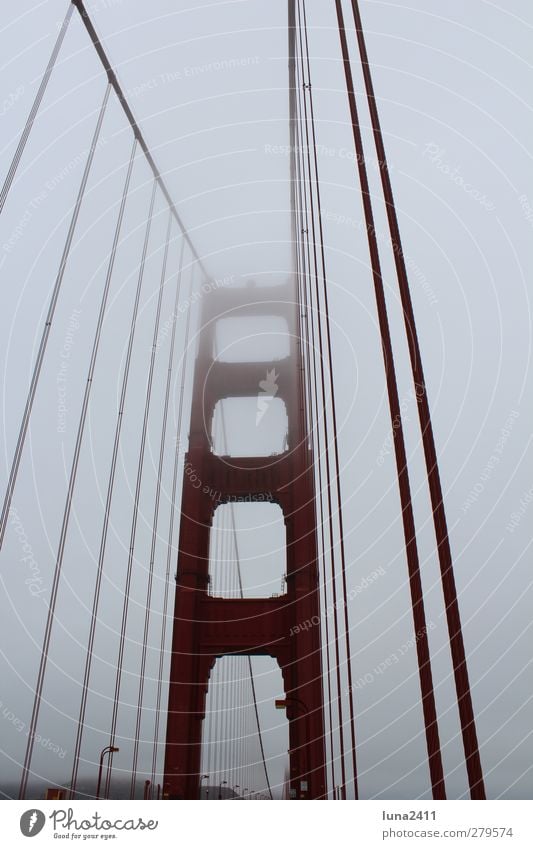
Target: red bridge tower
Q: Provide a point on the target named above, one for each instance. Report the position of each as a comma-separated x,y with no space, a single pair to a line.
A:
208,627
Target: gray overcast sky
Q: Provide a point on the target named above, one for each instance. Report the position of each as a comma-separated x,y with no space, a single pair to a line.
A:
208,84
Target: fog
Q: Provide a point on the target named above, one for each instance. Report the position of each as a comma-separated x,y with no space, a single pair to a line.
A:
208,83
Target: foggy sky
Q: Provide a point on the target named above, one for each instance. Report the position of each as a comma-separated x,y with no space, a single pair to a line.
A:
208,85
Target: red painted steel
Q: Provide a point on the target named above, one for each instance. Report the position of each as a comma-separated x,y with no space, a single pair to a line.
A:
286,627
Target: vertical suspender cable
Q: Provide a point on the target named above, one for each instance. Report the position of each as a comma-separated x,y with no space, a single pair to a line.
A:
462,684
314,406
155,521
328,476
34,109
325,425
48,322
332,395
296,182
109,498
415,583
72,484
171,531
133,530
297,232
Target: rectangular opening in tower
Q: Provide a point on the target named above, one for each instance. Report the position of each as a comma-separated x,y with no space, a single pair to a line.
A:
231,750
252,426
247,549
251,339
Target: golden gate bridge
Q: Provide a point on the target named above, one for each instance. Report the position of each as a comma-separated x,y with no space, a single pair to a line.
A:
200,629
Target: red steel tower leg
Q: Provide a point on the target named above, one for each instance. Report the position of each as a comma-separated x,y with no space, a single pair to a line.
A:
285,627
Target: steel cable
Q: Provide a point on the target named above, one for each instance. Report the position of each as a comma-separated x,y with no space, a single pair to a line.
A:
71,485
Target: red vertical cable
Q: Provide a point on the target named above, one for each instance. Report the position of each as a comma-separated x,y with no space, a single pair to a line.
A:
415,583
462,684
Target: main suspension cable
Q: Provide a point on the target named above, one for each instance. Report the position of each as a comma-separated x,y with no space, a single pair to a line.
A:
113,81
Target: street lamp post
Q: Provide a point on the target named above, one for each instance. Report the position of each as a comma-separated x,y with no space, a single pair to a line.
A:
106,751
220,789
